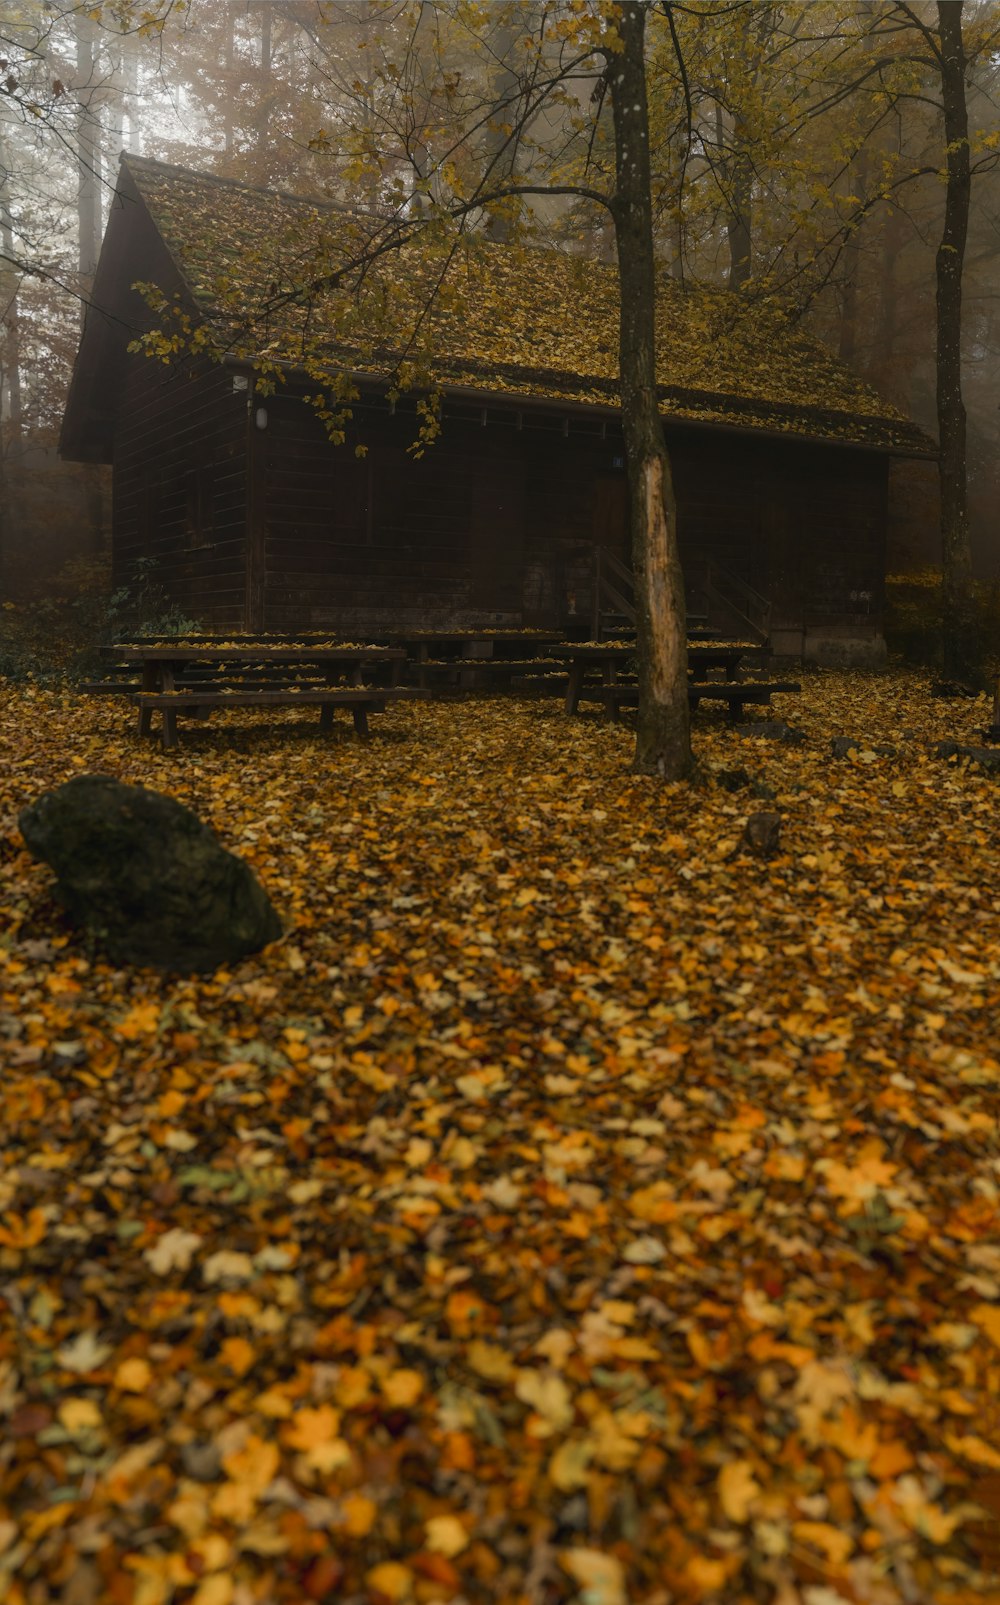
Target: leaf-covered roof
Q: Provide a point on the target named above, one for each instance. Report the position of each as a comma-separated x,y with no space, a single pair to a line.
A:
515,321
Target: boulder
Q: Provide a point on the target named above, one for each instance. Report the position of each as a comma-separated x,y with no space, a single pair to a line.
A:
732,779
761,833
988,758
843,746
772,730
145,878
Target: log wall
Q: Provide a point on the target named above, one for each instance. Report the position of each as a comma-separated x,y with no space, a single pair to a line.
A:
179,495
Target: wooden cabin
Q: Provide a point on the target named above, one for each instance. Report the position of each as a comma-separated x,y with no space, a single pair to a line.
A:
258,521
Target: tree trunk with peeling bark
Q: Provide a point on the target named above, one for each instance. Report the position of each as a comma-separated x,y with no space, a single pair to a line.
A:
663,742
961,650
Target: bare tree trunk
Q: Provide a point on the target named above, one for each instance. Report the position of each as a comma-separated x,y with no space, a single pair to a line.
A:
230,25
133,105
883,367
12,411
663,743
852,266
88,151
739,217
264,104
961,651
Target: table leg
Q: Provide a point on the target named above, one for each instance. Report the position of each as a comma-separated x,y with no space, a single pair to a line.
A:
326,716
361,720
574,685
169,727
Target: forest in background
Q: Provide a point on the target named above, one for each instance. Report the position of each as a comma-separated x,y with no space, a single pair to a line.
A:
797,152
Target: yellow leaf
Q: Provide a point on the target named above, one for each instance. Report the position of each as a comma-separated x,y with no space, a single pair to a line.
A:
972,1448
987,1316
311,1427
140,1021
134,1375
227,1266
172,1251
391,1579
446,1535
403,1388
549,1396
738,1490
601,1577
238,1355
215,1590
359,1513
79,1415
568,1466
830,1541
488,1361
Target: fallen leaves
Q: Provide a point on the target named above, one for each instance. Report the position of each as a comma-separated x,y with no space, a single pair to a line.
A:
635,1236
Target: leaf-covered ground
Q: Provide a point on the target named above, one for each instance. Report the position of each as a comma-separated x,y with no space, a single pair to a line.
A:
570,1207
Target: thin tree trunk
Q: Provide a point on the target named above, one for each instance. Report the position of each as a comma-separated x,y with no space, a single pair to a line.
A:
883,365
663,743
264,108
133,105
230,26
12,412
852,267
88,151
739,218
959,647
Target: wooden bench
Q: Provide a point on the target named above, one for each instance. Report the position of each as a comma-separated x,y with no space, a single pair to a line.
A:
361,700
735,693
467,669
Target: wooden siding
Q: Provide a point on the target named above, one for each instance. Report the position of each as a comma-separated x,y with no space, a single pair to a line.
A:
492,526
180,488
804,525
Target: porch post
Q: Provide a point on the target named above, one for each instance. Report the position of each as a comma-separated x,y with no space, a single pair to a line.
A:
253,608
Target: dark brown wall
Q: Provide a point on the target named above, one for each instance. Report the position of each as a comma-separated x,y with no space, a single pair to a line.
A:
493,525
180,487
805,525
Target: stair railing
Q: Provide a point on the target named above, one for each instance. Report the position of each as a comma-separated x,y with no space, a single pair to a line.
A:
727,591
721,589
613,589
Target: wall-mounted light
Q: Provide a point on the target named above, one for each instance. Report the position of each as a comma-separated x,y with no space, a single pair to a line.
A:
241,384
260,417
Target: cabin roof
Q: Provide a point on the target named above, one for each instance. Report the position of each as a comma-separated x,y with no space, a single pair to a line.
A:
510,321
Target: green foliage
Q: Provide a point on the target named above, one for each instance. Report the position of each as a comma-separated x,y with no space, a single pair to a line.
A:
914,618
58,636
142,606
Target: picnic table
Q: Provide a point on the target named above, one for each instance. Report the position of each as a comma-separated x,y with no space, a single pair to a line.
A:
612,657
468,657
198,676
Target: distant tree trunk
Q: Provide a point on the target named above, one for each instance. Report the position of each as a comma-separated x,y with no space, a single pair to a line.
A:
263,164
960,649
663,744
12,412
739,219
738,175
883,370
133,105
852,266
88,151
230,27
